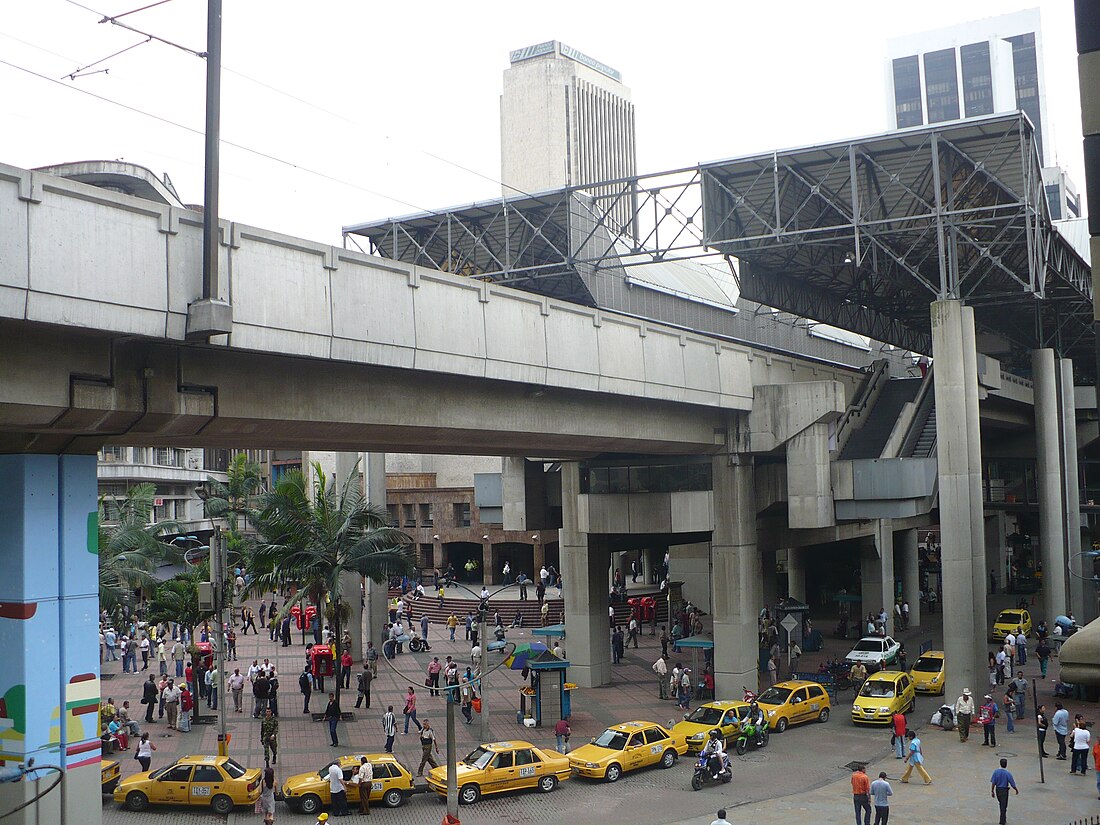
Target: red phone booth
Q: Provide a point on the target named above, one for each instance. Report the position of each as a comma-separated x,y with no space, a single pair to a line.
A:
323,664
206,654
296,614
311,611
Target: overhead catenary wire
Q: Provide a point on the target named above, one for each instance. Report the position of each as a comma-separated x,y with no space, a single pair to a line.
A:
257,152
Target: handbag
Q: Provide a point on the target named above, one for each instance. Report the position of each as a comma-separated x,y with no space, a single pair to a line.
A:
477,704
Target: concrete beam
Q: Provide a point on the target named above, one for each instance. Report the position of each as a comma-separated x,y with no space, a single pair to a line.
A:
782,411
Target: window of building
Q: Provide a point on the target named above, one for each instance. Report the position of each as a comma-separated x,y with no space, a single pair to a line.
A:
462,514
167,457
112,454
1026,70
426,515
109,510
392,510
427,556
941,83
646,478
977,79
907,94
410,515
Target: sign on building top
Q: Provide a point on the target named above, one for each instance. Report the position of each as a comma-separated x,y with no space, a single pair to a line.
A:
554,46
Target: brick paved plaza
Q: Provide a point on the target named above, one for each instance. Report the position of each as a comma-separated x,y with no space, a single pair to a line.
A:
801,777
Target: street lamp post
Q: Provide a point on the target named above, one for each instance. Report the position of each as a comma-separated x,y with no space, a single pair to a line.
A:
217,576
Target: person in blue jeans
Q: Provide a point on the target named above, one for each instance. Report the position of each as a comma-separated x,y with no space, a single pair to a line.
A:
410,711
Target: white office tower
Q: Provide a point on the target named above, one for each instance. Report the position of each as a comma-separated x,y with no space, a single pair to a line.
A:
565,120
971,69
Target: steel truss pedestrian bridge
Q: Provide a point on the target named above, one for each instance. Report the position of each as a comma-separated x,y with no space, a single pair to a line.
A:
860,234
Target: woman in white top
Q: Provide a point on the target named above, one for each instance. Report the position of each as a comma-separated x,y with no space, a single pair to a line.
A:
144,754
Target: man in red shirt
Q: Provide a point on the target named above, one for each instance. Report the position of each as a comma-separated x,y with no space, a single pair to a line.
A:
899,727
345,669
861,794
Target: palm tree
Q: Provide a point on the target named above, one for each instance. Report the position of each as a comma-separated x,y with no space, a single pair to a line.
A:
130,548
177,600
234,498
311,540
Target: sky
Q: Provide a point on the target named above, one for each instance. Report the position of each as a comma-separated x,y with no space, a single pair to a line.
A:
342,112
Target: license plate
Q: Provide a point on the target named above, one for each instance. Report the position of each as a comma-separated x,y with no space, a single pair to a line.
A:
376,786
528,771
200,791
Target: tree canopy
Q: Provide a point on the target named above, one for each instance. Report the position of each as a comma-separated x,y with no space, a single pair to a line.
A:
131,547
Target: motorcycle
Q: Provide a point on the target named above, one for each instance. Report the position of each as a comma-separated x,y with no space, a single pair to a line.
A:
748,736
702,772
749,696
416,645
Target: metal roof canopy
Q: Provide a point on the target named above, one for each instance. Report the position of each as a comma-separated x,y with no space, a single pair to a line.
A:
862,234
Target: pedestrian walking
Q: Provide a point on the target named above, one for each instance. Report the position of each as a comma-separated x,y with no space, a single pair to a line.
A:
861,795
144,752
364,779
261,690
452,624
898,738
305,685
266,803
987,718
345,669
172,702
427,743
332,716
269,738
915,758
1042,653
1010,708
1080,748
1021,647
362,690
1096,764
1060,723
721,820
999,784
660,667
434,667
880,797
561,735
389,727
634,630
1041,725
410,710
1020,696
338,789
149,697
964,713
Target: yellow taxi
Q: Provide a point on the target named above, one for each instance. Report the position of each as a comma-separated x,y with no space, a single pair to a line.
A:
1009,621
882,695
792,702
929,673
727,716
502,766
217,781
627,747
309,792
109,772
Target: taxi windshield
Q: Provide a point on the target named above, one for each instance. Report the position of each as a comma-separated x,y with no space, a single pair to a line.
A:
611,739
478,758
705,716
869,645
774,696
1009,618
928,664
878,689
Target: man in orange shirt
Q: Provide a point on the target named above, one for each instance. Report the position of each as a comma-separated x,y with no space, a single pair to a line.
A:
861,794
899,727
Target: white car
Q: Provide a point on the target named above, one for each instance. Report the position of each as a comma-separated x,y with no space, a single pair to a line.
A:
874,652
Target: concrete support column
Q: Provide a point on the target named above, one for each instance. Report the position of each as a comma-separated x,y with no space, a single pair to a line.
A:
375,614
905,543
877,569
796,573
539,554
584,564
1082,594
768,578
691,564
489,564
958,521
978,565
50,678
1049,476
996,549
737,593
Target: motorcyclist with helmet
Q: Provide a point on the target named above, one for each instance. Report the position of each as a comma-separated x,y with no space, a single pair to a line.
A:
715,750
756,719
